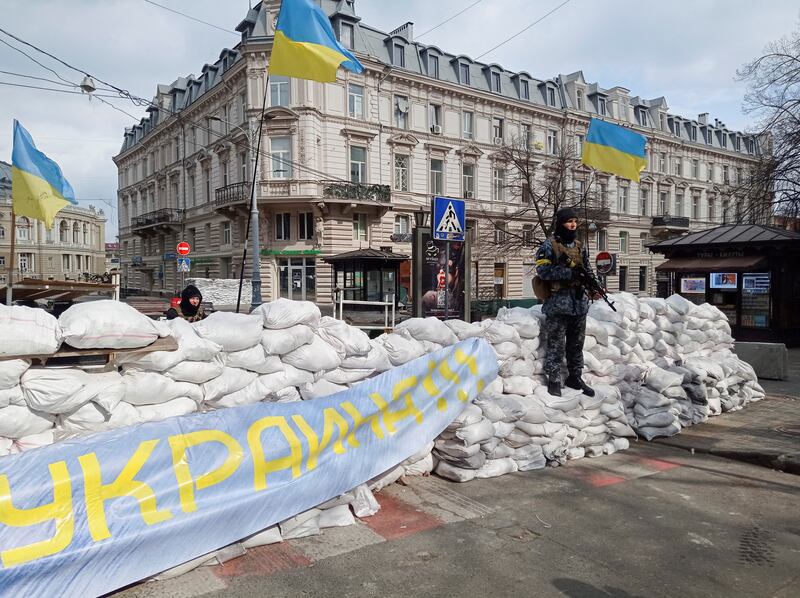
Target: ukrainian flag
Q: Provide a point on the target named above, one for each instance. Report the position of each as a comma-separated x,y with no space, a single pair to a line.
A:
614,149
305,46
38,189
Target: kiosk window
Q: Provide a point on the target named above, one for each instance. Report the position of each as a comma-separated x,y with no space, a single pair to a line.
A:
756,300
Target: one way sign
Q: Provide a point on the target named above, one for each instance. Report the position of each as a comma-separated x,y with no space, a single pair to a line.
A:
449,221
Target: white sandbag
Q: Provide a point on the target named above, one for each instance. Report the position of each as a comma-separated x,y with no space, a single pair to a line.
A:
231,380
91,418
12,396
17,421
464,330
232,331
184,568
317,356
680,304
346,339
401,349
301,526
428,329
518,385
522,319
320,388
379,482
602,312
506,350
339,516
196,372
28,331
364,503
496,467
173,408
54,390
271,535
489,408
518,367
285,395
193,346
658,432
105,389
254,359
497,332
659,379
285,340
377,359
11,370
345,376
289,376
33,441
451,472
285,313
471,414
252,393
421,467
455,448
152,388
108,324
5,446
620,429
597,330
430,346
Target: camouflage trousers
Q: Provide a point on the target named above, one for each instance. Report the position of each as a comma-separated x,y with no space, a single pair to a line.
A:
564,334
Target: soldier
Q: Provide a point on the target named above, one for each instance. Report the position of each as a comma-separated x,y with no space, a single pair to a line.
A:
189,308
566,303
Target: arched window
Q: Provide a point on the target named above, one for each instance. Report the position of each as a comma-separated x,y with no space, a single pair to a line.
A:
63,232
85,234
75,233
23,229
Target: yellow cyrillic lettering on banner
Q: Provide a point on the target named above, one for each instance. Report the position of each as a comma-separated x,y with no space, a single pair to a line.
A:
462,358
331,418
59,512
481,385
430,387
126,484
399,392
358,421
447,373
179,443
462,395
262,467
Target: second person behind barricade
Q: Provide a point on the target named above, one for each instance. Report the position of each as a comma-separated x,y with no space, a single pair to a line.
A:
190,308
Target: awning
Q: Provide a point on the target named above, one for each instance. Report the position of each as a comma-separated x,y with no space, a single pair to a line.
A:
713,264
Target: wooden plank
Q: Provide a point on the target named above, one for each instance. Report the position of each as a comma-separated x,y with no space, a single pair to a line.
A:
167,343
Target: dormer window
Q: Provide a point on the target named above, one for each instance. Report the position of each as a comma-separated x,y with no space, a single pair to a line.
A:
738,141
433,66
399,55
579,99
463,73
346,35
693,132
524,90
710,136
601,106
724,139
551,96
641,116
676,127
496,82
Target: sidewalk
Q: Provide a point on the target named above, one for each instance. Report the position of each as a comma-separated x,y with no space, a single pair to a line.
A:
766,433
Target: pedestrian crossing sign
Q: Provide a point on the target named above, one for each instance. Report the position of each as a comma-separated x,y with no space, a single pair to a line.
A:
449,219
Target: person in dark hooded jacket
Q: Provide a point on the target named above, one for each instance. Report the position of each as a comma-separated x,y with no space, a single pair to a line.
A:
189,308
567,305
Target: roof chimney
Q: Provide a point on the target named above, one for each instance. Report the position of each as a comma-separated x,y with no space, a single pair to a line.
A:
703,118
406,31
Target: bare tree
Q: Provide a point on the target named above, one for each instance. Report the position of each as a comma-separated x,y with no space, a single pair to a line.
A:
772,185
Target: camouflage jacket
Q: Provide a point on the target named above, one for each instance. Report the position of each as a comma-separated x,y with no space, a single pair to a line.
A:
570,299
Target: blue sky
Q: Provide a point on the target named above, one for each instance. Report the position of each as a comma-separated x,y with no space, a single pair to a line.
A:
685,50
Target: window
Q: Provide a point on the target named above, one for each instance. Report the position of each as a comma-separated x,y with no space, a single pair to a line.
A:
2,233
644,200
66,262
401,173
676,127
437,177
226,233
726,175
207,184
711,208
679,203
526,136
242,167
401,112
496,82
24,230
726,211
578,145
552,141
696,206
693,132
346,36
467,125
497,129
75,233
551,96
401,225
524,90
399,55
3,260
63,232
355,101
433,66
642,278
677,166
283,226
739,178
223,167
527,234
500,232
604,194
85,234
579,187
468,180
623,241
695,169
643,242
723,137
359,227
663,203
641,116
602,240
281,149
622,200
305,225
499,184
710,136
601,106
358,164
242,109
579,99
623,278
279,90
662,162
434,115
710,172
463,73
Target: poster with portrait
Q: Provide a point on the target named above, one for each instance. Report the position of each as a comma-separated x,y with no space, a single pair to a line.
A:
693,285
441,281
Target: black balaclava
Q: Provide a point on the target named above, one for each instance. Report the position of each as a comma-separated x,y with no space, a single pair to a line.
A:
563,234
187,308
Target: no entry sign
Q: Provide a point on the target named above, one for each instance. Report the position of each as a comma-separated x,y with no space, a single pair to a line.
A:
183,248
604,262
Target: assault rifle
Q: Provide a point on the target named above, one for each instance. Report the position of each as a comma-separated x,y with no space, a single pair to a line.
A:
592,285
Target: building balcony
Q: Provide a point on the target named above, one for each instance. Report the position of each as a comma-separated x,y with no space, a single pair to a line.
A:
358,192
401,237
232,199
666,224
156,222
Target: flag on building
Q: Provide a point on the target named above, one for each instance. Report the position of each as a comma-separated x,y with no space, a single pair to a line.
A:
614,149
305,46
38,188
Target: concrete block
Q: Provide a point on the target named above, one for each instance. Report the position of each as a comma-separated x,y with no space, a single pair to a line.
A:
769,360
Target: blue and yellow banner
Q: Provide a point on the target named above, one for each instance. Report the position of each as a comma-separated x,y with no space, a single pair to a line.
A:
87,516
305,45
38,188
614,149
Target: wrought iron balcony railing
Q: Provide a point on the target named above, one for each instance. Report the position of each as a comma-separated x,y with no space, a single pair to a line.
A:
162,216
672,222
356,191
233,193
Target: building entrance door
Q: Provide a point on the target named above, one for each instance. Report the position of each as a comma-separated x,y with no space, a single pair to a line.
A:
297,278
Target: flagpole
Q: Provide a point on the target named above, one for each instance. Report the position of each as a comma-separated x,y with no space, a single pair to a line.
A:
10,283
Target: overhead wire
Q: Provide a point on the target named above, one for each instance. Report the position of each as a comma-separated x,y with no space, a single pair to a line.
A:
520,32
183,14
448,20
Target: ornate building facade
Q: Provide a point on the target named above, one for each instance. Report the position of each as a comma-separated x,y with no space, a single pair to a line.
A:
346,165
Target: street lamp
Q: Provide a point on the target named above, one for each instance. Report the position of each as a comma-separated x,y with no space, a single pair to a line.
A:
255,277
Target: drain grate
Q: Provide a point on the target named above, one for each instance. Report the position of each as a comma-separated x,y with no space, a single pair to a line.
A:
754,547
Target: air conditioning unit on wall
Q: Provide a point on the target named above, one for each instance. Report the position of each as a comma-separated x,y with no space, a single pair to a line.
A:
436,129
498,141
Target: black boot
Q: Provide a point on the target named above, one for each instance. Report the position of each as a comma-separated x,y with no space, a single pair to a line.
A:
578,384
554,388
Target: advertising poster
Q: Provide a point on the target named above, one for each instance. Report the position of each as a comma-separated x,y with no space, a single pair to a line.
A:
438,274
693,285
724,280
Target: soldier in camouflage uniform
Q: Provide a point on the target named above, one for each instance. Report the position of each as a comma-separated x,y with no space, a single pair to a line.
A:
567,304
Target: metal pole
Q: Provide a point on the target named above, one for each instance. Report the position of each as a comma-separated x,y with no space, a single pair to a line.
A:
446,276
10,283
255,278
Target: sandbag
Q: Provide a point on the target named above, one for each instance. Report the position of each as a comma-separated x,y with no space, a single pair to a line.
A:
377,359
464,330
152,388
196,372
254,359
229,381
28,331
11,370
428,329
285,313
317,356
320,388
286,340
347,340
12,396
232,331
108,325
54,390
401,349
91,418
18,421
173,408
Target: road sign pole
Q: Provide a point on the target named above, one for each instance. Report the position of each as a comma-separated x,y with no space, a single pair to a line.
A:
446,277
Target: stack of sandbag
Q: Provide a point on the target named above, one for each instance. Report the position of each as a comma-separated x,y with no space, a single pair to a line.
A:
654,408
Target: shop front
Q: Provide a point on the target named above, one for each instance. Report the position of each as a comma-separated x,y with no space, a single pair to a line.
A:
750,272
